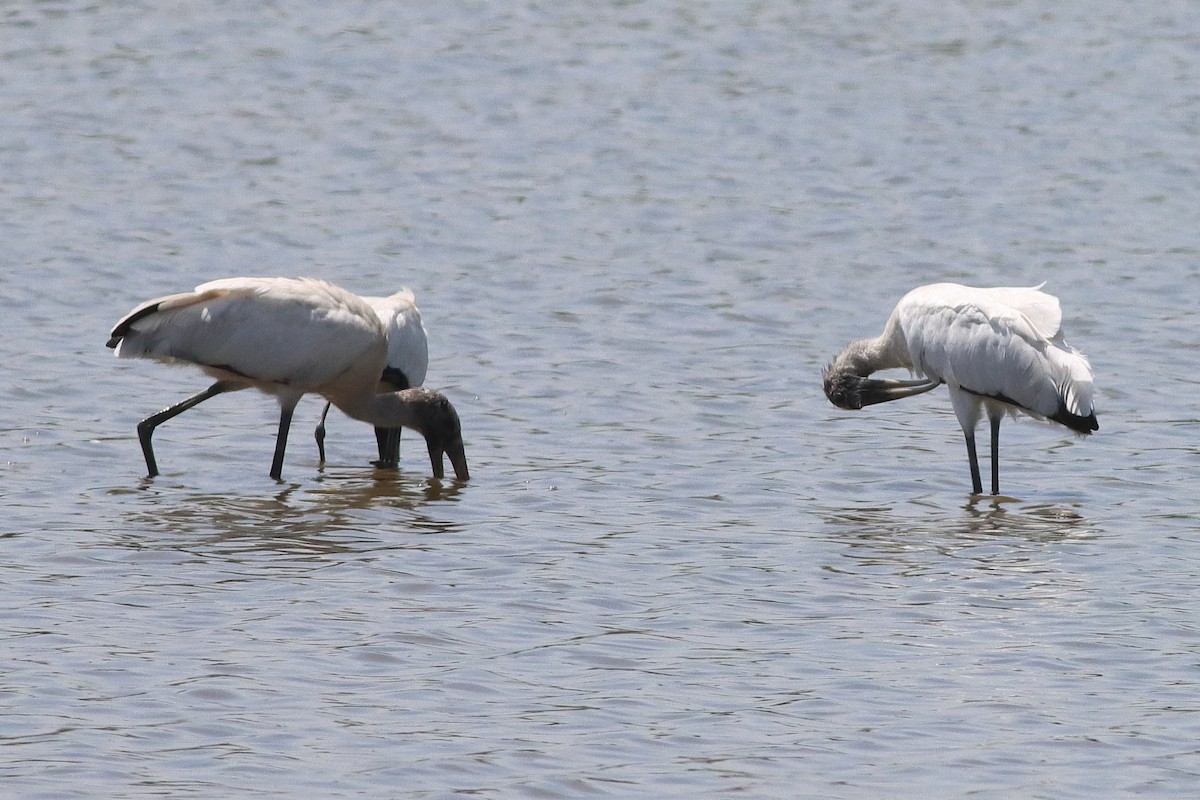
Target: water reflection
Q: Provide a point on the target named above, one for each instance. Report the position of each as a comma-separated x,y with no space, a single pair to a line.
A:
389,486
326,517
1005,516
992,533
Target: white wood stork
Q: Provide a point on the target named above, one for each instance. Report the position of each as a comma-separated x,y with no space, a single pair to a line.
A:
286,337
999,350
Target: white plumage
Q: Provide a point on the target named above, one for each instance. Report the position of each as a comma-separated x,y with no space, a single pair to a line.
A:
408,344
999,350
407,363
231,329
287,337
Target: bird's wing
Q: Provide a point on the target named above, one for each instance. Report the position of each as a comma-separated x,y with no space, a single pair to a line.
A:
301,333
1073,373
408,345
990,346
1042,310
140,312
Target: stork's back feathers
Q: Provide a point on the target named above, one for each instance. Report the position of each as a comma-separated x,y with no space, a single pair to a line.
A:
213,327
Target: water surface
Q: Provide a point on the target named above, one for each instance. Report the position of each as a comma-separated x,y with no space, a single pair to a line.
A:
637,232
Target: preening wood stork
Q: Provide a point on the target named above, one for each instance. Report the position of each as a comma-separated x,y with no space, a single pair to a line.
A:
999,350
407,361
285,337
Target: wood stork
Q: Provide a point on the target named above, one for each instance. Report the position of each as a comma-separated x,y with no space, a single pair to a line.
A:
407,362
285,337
999,350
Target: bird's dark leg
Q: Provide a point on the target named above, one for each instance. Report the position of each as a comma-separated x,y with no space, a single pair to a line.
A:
976,484
146,427
285,424
995,455
388,440
393,443
319,434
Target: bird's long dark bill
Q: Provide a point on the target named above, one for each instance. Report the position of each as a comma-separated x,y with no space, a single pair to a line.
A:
847,390
457,455
882,390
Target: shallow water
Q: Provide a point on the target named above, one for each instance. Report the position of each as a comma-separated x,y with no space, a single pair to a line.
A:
637,232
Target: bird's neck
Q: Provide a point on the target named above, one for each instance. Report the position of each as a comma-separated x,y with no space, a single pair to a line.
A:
863,357
385,410
886,351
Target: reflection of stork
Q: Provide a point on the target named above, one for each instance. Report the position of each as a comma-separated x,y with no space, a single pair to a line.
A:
407,360
287,338
996,349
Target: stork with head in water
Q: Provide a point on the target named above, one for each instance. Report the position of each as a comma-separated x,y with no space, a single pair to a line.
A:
285,337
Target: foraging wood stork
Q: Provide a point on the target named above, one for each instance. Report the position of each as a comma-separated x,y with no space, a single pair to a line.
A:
407,362
285,337
999,350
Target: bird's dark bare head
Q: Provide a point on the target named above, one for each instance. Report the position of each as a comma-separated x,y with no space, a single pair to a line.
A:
843,388
438,422
845,376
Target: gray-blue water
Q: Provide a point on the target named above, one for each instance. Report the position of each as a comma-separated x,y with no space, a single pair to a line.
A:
637,231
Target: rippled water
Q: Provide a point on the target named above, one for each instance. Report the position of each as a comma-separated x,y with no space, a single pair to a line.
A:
637,231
